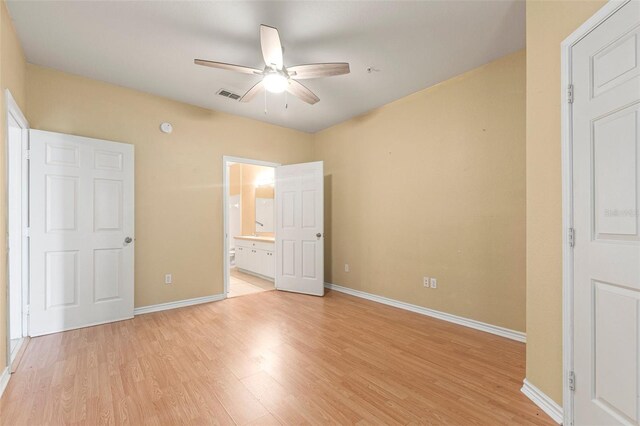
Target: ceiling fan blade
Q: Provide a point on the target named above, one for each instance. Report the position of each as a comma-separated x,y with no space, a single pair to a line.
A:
251,93
271,47
301,92
229,67
300,72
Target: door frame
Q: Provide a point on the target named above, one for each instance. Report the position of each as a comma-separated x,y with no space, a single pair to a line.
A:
225,201
12,109
566,49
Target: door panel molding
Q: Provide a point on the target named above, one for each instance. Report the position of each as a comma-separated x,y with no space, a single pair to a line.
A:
82,224
568,235
300,228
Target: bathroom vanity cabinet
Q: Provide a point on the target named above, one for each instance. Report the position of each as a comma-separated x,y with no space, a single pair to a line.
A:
256,255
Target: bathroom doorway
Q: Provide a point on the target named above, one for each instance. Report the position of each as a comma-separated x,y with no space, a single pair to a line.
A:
249,224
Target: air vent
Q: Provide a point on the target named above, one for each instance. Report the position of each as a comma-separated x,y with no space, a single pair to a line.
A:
228,94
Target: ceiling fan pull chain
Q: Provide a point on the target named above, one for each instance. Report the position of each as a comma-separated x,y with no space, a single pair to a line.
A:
265,102
286,101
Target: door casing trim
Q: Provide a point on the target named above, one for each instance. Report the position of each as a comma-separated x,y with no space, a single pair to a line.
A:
12,109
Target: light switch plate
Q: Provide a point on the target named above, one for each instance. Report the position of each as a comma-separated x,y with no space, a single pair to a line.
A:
168,279
434,283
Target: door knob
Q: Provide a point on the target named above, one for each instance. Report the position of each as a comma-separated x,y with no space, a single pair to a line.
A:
318,235
128,240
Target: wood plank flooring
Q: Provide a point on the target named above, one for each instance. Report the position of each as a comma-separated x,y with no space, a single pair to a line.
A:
272,358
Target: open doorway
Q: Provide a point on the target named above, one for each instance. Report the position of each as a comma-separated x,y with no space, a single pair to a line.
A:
17,175
250,255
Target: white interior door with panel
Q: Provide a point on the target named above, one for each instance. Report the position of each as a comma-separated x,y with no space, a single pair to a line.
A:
606,190
82,224
300,228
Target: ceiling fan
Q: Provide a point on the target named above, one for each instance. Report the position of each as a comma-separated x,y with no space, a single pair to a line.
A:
276,78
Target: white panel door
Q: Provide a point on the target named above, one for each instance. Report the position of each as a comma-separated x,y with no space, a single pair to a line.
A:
81,244
300,228
606,179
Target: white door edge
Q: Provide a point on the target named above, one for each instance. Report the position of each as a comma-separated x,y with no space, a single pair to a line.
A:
567,197
225,214
12,109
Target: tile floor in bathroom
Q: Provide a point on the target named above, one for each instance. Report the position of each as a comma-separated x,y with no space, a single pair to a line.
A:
241,284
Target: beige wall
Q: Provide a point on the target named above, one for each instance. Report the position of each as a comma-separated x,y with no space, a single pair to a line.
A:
438,188
548,23
12,77
434,184
178,176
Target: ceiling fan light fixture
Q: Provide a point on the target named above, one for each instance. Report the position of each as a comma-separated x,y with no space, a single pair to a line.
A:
276,78
275,82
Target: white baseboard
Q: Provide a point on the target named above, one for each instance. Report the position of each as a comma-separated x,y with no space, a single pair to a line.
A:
493,329
545,403
16,350
178,304
4,380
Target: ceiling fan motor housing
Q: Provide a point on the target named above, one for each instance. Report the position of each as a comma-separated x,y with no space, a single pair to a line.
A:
276,77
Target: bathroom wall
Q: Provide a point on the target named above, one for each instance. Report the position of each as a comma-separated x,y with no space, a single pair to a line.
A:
250,173
235,179
242,184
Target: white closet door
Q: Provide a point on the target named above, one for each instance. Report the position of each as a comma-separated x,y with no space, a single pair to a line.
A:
300,228
606,176
81,237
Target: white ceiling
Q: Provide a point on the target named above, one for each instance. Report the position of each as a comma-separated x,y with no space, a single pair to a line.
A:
150,46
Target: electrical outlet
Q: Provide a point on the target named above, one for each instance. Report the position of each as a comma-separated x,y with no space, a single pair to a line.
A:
434,283
425,282
168,279
346,267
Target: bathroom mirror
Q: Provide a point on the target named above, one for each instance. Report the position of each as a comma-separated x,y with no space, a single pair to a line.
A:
264,214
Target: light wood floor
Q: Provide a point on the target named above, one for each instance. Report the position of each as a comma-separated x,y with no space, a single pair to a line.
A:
272,358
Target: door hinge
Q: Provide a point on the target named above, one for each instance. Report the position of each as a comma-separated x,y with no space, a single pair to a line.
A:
572,381
27,232
572,237
27,154
570,94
